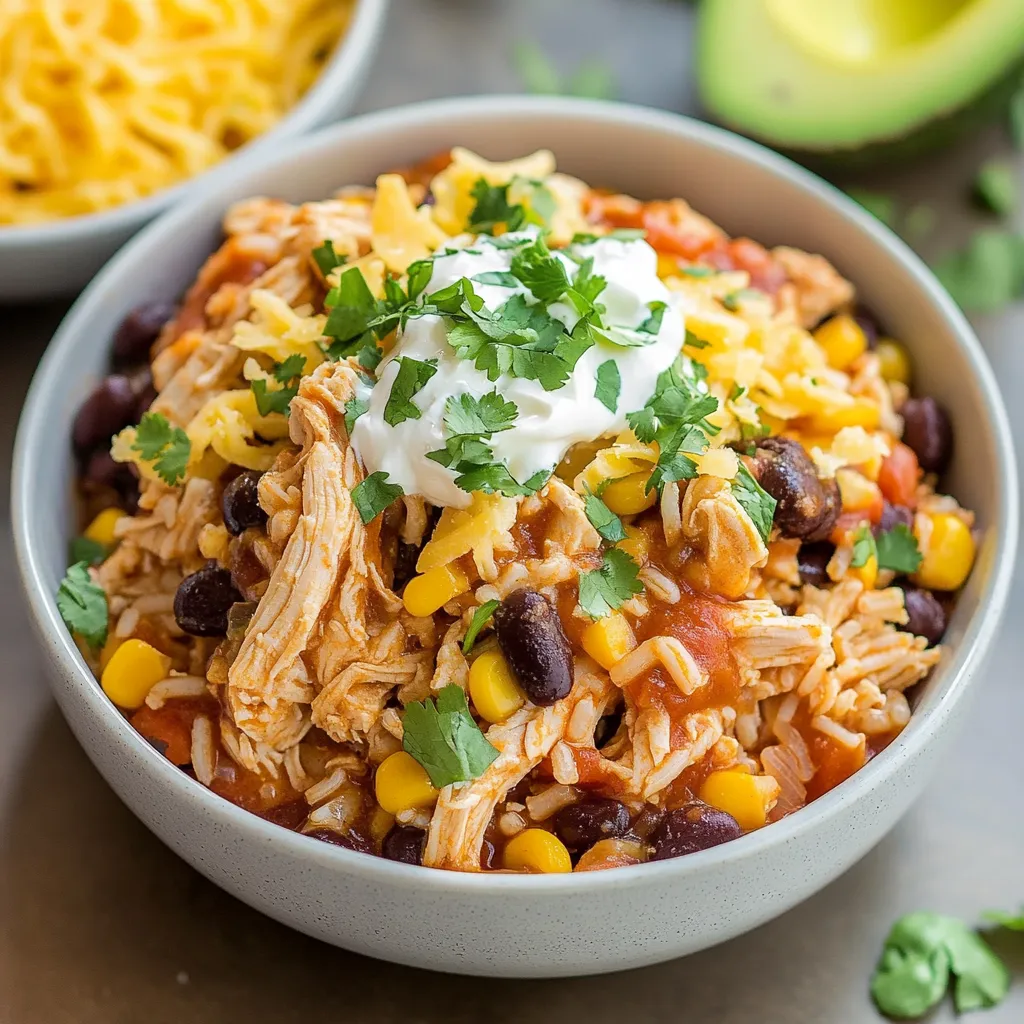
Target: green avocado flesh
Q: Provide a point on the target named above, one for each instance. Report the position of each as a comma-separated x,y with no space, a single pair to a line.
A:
822,76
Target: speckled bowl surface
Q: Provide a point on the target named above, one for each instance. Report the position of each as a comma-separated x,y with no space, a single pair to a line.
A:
39,261
513,925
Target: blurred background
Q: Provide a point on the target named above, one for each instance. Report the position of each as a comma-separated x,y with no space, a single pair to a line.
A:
98,922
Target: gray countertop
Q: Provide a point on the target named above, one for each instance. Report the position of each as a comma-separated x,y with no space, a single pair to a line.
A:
100,923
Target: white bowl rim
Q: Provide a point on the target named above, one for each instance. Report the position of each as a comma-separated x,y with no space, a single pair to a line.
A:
598,113
340,74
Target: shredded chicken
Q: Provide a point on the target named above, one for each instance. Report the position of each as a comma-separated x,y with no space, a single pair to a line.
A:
816,288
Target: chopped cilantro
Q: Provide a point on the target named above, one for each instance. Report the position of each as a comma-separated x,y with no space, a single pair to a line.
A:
653,323
493,208
501,278
922,951
488,414
864,548
603,519
481,617
354,408
352,307
443,737
280,399
675,417
897,549
734,300
292,367
412,375
542,273
326,258
83,605
167,447
87,550
609,587
693,341
373,495
754,500
494,478
697,271
609,385
995,187
419,274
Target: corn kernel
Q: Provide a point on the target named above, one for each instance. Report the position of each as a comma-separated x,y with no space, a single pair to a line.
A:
893,360
101,529
535,849
493,688
668,266
748,798
862,412
948,553
635,545
402,784
433,589
629,496
134,668
843,340
866,573
857,491
609,639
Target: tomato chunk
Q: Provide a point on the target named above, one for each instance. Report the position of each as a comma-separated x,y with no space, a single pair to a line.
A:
898,476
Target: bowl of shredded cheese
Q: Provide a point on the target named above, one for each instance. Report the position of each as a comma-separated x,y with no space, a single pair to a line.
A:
111,109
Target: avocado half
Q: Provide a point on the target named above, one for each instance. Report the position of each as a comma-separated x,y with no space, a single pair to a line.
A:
857,81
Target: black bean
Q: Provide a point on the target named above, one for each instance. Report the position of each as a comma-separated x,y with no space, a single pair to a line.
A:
926,616
102,471
807,505
138,331
202,601
868,324
404,843
533,642
694,826
928,431
893,516
813,558
581,825
240,503
348,840
109,408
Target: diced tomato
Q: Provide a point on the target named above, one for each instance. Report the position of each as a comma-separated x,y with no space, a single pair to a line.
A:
846,523
616,211
899,475
670,230
169,728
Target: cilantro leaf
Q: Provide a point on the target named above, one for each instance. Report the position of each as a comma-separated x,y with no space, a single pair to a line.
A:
493,208
418,275
693,341
609,385
83,605
373,495
987,274
541,204
897,550
326,258
292,367
167,447
921,951
412,375
864,548
500,278
352,308
995,187
488,414
653,323
754,500
543,274
674,462
480,619
495,478
603,519
354,408
603,590
268,402
697,271
1014,922
89,551
734,300
445,740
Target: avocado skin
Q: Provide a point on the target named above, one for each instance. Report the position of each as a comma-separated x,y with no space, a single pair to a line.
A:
942,130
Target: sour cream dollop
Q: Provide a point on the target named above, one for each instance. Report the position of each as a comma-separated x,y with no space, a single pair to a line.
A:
549,422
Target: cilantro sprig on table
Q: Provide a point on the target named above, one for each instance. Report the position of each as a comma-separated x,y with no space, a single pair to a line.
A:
167,447
443,737
922,953
83,605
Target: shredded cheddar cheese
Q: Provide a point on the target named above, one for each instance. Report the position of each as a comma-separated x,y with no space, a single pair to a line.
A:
105,101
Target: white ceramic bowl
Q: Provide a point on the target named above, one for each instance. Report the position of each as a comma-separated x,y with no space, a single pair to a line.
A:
514,925
58,258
